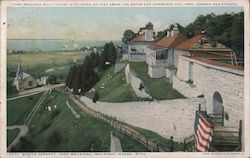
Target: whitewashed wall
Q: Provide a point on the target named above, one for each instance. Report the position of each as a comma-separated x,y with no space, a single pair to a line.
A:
135,83
141,50
177,53
209,79
156,71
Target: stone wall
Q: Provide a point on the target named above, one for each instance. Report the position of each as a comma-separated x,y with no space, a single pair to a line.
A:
208,79
135,83
139,55
157,68
156,71
185,88
119,66
176,55
125,56
168,117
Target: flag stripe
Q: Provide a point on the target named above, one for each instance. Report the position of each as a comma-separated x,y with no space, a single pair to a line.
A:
206,130
208,125
203,132
206,136
202,140
198,146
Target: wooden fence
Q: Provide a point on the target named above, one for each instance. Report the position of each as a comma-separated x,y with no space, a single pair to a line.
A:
132,133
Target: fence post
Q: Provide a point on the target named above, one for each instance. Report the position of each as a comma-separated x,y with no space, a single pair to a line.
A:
222,117
240,131
199,107
185,145
157,147
147,142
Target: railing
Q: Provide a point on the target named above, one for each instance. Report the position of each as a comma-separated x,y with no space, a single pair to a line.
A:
189,144
227,136
149,144
217,119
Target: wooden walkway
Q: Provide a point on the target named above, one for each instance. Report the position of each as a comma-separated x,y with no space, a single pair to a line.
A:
132,133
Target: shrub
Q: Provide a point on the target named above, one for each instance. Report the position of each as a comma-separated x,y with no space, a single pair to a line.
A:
96,97
54,114
55,138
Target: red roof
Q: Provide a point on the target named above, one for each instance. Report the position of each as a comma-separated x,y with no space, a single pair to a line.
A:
169,42
187,45
212,62
141,38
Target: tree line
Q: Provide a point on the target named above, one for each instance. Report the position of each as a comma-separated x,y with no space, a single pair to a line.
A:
81,78
227,29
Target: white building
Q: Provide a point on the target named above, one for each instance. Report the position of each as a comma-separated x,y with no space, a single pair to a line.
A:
162,55
136,47
42,81
221,84
23,80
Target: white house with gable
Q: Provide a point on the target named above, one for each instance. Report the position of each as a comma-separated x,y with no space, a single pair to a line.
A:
23,80
161,55
136,47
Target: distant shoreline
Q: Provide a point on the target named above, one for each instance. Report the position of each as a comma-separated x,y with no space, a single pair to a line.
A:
36,44
35,39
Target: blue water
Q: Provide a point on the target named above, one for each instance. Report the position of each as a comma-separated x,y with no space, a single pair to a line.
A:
51,45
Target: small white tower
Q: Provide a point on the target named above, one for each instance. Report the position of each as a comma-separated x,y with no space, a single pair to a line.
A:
149,32
174,31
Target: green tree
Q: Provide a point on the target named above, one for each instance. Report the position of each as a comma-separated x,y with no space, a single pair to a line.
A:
104,58
112,56
227,29
52,79
128,35
94,59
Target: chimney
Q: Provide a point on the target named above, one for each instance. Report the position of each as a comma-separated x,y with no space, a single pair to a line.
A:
168,33
198,30
174,31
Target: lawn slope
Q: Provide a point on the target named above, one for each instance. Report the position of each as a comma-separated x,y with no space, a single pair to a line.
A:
59,130
158,88
19,109
113,88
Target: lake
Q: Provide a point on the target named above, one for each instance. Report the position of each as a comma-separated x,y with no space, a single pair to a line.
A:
51,44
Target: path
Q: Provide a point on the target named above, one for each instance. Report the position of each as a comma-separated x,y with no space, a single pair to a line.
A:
41,89
23,131
22,96
34,91
24,128
167,117
31,114
132,133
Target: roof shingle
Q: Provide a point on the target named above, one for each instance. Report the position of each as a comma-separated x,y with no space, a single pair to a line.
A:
169,42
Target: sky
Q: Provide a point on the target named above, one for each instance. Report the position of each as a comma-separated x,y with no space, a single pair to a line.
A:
97,24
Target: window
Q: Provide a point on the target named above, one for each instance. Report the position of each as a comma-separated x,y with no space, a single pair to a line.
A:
162,54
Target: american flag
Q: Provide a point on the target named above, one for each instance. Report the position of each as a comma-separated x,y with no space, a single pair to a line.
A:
203,133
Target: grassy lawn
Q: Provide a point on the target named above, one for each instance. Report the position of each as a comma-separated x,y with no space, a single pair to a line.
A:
19,109
158,88
59,130
11,135
113,88
41,64
36,64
